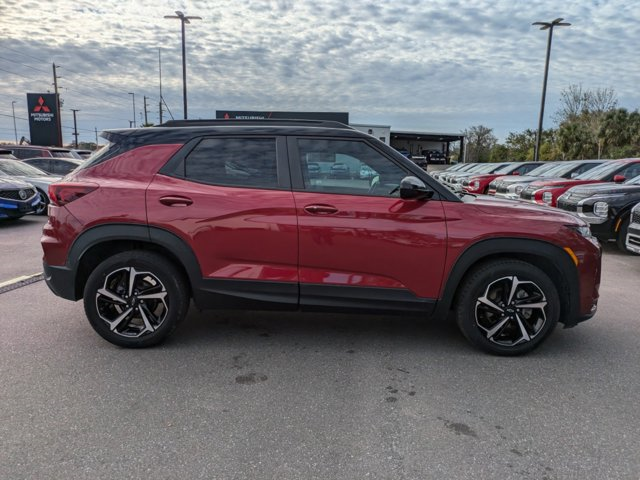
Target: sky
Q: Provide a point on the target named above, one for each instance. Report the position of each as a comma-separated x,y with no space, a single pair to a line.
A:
417,65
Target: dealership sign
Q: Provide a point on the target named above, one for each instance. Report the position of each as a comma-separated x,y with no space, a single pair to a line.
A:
342,117
44,119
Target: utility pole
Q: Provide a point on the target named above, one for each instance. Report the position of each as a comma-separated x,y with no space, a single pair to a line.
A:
96,128
134,110
160,105
145,111
15,130
55,86
183,19
75,126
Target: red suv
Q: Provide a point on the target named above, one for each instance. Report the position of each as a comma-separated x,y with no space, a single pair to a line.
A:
226,213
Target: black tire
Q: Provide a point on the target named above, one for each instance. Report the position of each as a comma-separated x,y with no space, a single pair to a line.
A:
41,209
621,238
158,299
509,329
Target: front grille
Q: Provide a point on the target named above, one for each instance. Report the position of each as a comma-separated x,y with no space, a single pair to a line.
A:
567,206
527,193
15,194
502,189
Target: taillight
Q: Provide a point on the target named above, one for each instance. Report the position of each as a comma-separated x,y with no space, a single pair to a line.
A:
63,193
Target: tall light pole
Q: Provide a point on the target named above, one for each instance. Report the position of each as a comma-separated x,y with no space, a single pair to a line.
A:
15,130
133,95
183,19
558,22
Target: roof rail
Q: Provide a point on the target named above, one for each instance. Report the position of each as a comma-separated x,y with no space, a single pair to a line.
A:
267,121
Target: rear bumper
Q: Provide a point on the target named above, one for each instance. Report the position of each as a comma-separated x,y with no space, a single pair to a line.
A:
61,281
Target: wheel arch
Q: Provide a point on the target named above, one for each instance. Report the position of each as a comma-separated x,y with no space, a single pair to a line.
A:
550,258
100,242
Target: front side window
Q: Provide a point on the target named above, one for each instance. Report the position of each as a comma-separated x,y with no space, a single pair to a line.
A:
234,162
347,167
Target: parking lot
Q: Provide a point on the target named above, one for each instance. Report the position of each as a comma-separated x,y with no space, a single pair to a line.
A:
290,396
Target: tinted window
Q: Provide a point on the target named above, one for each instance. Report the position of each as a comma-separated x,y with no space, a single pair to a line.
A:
62,167
234,161
17,168
348,167
63,154
27,153
631,171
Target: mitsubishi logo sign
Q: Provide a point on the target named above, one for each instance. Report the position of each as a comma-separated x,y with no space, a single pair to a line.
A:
44,119
41,106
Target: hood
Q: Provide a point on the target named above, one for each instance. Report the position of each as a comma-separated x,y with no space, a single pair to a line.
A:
39,180
604,189
509,179
8,183
562,182
491,205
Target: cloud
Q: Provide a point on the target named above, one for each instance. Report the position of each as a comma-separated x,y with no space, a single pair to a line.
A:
413,64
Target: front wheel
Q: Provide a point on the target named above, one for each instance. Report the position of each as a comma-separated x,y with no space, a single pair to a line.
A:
507,307
135,299
41,209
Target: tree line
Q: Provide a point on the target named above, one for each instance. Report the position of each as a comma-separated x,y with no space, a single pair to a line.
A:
589,125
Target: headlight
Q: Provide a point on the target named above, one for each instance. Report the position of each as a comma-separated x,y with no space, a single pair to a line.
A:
475,184
547,197
518,189
601,209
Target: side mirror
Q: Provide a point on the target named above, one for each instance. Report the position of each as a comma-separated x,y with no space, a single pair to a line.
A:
619,179
412,188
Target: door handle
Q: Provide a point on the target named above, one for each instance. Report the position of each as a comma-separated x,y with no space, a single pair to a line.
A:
175,201
320,209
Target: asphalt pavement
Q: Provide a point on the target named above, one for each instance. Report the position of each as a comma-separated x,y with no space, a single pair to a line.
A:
289,396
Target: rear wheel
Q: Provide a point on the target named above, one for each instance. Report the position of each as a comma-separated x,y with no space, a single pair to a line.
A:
507,307
135,299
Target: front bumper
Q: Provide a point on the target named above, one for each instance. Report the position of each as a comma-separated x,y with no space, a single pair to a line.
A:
18,208
633,238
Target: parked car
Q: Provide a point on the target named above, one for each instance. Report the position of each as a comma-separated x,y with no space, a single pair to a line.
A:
366,172
470,168
339,170
17,198
633,234
53,165
156,219
450,169
33,151
434,157
480,183
546,192
5,153
511,186
455,180
84,154
605,206
41,180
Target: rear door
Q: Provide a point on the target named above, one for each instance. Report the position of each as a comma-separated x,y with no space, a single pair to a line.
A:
230,200
361,245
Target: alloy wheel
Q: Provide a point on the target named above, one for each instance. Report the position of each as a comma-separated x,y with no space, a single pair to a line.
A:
132,303
511,311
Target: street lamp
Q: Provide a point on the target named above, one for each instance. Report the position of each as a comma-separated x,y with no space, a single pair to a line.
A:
558,22
183,19
13,109
133,95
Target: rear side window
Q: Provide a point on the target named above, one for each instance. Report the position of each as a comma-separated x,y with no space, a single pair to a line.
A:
239,162
29,153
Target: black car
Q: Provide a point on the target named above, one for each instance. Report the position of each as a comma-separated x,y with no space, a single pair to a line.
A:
606,206
55,166
17,198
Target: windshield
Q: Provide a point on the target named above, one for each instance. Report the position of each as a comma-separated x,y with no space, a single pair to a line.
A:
63,154
600,172
17,168
633,181
508,168
542,169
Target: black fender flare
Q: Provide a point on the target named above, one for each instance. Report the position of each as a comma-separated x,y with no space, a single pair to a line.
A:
135,232
522,248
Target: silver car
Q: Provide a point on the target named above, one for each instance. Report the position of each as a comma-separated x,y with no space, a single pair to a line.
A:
36,177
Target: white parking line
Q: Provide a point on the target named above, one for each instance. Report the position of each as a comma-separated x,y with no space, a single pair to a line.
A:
22,279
